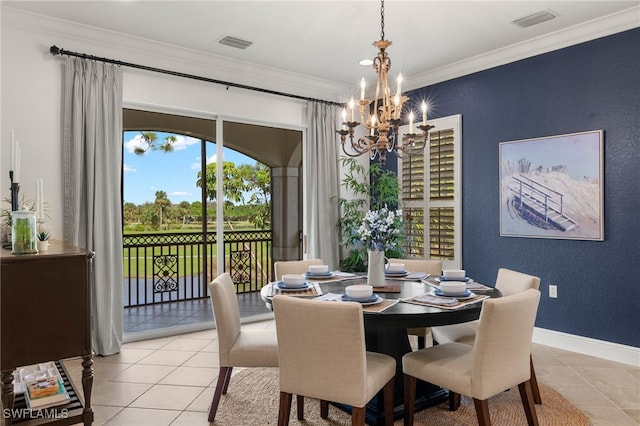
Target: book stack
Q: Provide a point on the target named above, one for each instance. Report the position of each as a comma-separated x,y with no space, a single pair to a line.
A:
42,385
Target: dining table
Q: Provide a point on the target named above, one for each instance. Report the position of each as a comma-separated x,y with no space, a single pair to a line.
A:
401,305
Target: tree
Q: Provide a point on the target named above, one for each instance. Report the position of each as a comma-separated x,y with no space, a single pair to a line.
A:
234,184
150,140
163,202
258,179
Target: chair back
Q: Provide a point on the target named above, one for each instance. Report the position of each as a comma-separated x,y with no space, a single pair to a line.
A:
321,349
502,348
226,313
431,267
511,282
294,267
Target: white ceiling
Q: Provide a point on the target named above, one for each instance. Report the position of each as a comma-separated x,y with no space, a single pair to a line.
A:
326,39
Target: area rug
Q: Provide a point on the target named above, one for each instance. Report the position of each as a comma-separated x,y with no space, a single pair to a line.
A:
252,400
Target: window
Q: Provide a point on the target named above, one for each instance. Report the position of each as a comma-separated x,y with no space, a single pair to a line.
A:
431,195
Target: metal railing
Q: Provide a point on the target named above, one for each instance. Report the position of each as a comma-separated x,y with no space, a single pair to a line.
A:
170,267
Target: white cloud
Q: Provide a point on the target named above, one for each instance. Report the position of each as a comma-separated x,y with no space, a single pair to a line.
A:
212,159
179,193
127,168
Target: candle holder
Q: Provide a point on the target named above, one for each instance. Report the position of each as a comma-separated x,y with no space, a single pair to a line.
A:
15,188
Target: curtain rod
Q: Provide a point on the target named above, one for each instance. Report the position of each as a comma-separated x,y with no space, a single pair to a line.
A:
55,50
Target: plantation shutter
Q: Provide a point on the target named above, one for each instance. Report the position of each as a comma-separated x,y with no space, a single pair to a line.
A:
430,196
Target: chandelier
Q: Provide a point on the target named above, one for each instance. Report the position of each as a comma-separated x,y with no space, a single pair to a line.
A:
381,115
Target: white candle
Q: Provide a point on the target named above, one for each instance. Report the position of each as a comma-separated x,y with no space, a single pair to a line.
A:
13,151
362,86
344,119
40,199
411,122
373,124
16,169
399,81
424,113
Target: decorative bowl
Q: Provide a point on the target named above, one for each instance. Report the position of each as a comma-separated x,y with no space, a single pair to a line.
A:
318,269
293,280
453,287
454,273
359,291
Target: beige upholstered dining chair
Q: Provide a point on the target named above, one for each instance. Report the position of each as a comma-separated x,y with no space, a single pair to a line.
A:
431,267
322,355
498,360
508,282
237,347
294,266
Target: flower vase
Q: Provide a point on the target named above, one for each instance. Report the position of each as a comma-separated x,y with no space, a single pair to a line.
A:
375,269
23,232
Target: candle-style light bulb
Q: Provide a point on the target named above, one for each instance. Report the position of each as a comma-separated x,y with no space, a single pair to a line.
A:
399,81
344,119
424,113
362,86
411,122
373,124
352,105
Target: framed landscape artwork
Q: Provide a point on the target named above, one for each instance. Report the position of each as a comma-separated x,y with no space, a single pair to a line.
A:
552,187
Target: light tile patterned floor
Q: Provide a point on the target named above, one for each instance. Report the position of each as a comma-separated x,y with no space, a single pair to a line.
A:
132,388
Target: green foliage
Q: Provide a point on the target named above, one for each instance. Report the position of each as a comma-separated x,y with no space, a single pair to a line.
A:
150,141
43,236
380,189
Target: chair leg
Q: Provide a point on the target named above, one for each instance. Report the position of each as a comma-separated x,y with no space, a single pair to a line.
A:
284,409
527,403
534,384
454,401
220,389
300,406
324,409
482,412
409,399
357,416
388,403
227,379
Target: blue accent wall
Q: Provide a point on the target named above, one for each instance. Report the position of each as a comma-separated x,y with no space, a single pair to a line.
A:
590,86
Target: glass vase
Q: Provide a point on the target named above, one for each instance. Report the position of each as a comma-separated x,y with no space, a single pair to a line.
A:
23,232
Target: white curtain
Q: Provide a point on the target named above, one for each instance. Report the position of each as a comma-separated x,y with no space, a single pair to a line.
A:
322,186
92,161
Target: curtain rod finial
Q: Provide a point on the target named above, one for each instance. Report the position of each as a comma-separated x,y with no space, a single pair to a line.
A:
54,50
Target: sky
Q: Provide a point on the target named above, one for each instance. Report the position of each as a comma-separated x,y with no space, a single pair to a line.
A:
175,172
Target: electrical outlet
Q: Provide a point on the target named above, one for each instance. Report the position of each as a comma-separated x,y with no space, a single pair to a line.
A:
553,291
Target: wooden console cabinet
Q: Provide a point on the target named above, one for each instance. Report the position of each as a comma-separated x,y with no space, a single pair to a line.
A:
45,316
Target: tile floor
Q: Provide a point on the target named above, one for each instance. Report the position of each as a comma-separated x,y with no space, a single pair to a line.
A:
131,388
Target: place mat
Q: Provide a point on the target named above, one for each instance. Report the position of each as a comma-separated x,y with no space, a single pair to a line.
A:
314,290
412,276
387,288
471,285
380,307
458,305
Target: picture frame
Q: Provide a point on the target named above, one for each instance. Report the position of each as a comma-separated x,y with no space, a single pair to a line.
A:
552,187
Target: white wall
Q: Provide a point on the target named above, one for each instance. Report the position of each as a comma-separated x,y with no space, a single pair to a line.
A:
31,93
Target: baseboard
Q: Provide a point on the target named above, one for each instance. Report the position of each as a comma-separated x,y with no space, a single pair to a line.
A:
587,346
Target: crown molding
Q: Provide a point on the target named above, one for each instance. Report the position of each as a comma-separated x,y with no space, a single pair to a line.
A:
601,27
133,49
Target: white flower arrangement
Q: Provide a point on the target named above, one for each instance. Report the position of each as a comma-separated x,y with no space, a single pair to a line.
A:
381,229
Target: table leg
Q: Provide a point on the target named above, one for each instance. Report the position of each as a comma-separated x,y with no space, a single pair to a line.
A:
87,384
395,342
7,394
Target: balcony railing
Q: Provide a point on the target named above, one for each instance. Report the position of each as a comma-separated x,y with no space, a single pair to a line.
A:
170,267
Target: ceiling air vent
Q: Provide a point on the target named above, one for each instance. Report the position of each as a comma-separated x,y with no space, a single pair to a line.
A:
236,42
534,19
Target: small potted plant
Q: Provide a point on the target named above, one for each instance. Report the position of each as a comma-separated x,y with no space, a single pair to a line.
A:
43,240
